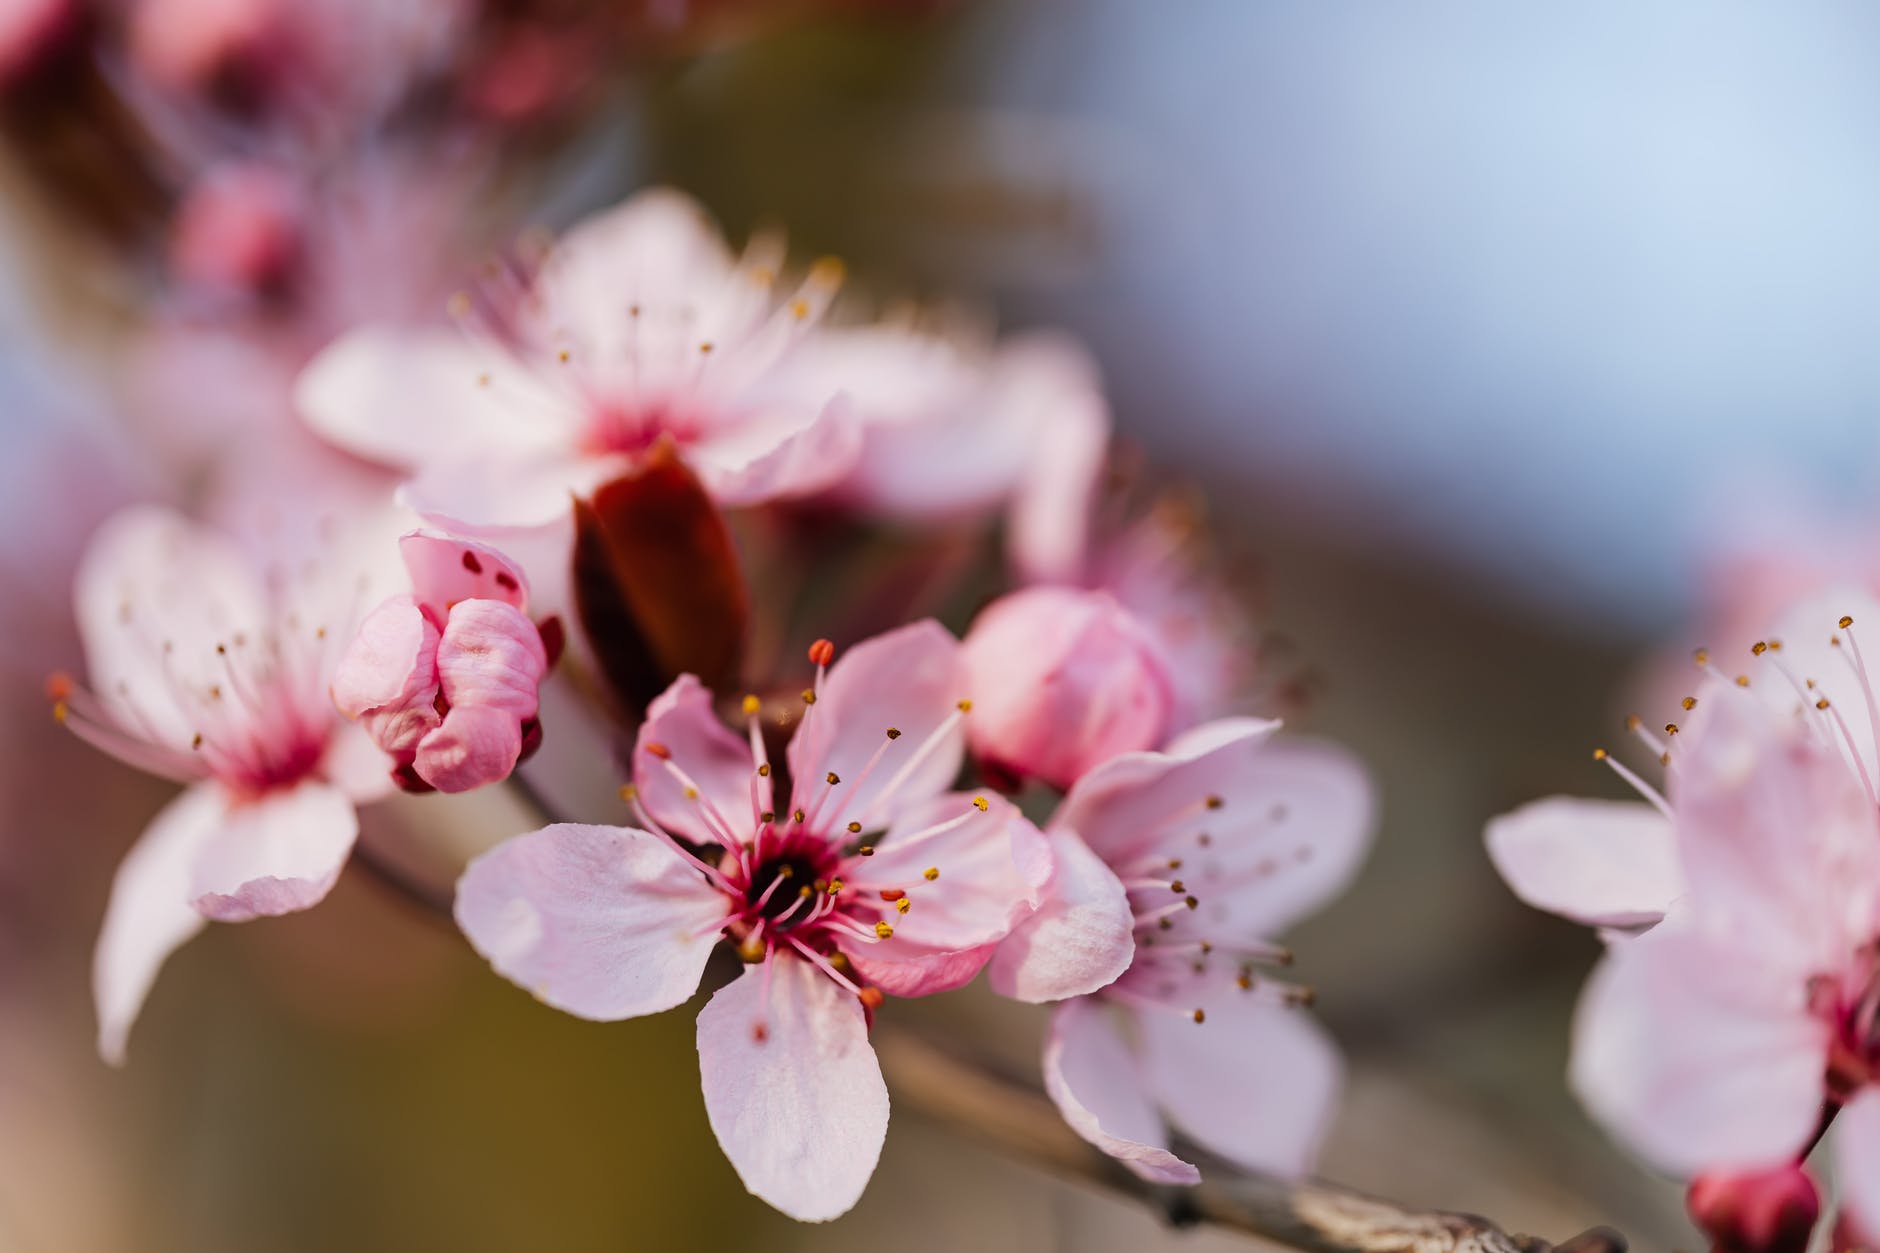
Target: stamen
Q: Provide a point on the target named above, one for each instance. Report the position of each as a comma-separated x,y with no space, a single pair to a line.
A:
1639,785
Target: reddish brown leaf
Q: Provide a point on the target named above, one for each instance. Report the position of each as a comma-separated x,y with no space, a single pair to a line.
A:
657,584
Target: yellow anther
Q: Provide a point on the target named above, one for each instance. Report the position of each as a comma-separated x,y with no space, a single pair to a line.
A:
980,803
797,814
1759,648
965,706
1701,656
832,778
883,930
894,733
1201,1015
1671,728
930,873
1846,622
628,791
828,271
691,793
751,706
763,771
1690,702
1215,802
809,697
1631,722
799,308
835,887
904,904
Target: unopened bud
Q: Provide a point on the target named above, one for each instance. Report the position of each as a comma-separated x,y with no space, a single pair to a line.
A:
1755,1211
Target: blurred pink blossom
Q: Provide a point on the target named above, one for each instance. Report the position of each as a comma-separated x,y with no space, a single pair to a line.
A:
872,879
31,32
237,230
210,671
1206,853
1729,1034
640,326
445,678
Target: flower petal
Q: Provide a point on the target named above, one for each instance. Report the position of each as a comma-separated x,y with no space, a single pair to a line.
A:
1776,835
682,723
1857,1153
603,922
1268,832
991,871
446,569
1079,939
772,457
1091,1076
411,397
792,1088
505,496
907,679
387,677
1255,1082
151,575
1603,863
276,853
1698,1057
1048,534
150,915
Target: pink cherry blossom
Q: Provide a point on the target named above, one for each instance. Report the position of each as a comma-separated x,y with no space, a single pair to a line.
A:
1204,853
212,672
1758,1211
237,231
954,428
640,326
1144,643
872,878
445,679
1728,1036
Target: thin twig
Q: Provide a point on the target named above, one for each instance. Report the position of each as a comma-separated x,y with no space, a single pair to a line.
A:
1016,1119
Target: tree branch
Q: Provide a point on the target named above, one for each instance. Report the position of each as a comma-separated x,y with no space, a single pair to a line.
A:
1014,1118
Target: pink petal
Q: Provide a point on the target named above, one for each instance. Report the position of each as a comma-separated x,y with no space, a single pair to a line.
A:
658,250
1776,835
151,575
907,679
717,761
491,656
777,457
1062,680
473,747
1603,863
1697,1056
1857,1152
992,872
445,569
387,677
356,766
792,1088
1290,829
1255,1082
1089,1073
1048,534
603,922
1080,939
276,853
504,495
411,397
150,915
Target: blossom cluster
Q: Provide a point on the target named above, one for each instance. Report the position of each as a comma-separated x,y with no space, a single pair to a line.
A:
577,467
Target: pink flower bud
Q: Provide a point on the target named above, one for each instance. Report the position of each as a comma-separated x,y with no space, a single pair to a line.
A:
445,680
238,230
1063,679
1755,1211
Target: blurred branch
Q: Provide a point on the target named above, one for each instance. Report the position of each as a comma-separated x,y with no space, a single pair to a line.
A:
1014,1118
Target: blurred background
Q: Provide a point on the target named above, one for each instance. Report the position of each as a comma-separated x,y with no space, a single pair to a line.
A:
1517,347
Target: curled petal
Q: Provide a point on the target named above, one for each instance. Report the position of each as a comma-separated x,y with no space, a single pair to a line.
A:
603,922
792,1088
445,569
1079,939
387,677
778,457
275,853
1091,1076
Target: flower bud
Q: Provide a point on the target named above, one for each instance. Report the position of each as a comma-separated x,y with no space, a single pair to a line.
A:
1063,679
1755,1211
